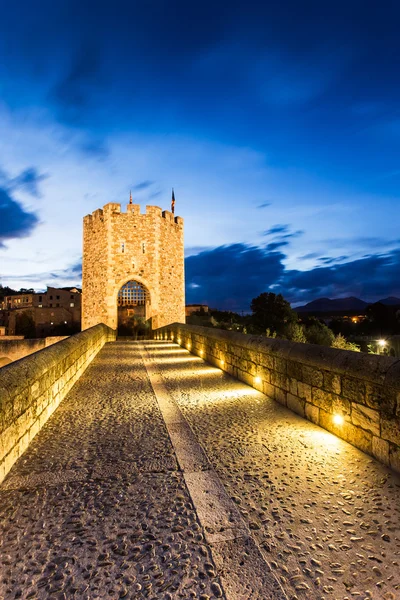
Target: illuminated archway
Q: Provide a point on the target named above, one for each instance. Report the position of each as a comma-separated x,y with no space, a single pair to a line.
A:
133,305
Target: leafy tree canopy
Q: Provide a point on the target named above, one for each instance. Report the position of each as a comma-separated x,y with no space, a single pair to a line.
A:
271,311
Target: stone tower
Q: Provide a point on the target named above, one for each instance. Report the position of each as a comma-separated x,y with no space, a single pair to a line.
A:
140,253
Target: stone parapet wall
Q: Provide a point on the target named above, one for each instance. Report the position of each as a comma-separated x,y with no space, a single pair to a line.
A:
316,382
15,348
32,388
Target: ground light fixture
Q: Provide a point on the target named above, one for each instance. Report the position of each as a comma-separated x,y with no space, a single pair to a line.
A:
338,419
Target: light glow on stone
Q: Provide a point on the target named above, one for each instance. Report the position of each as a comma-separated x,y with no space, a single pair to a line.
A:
338,419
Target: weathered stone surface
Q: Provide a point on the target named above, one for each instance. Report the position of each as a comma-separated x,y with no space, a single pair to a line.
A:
295,404
390,430
334,382
312,413
120,247
380,449
353,389
320,510
304,391
312,376
36,384
365,417
322,399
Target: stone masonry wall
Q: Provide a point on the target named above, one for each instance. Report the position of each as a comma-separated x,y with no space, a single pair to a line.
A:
119,247
16,349
32,388
316,382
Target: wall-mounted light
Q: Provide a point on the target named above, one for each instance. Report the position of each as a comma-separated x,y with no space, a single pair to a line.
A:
338,419
179,340
201,352
257,379
382,343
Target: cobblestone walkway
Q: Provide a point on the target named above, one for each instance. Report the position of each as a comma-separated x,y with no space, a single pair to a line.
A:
98,506
325,515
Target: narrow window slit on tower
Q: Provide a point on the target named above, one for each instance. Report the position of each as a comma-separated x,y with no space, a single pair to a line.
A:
143,247
122,247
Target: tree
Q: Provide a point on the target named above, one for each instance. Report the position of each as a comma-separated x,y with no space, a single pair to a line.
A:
295,332
318,333
25,325
271,311
341,342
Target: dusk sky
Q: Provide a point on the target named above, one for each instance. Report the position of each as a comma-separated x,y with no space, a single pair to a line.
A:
277,124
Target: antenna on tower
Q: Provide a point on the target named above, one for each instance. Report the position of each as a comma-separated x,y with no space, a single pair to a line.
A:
130,197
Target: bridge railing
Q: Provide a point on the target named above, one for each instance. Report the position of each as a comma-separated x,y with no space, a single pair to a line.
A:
31,388
354,395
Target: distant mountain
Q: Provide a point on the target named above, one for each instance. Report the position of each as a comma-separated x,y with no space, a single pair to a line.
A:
390,301
326,305
335,305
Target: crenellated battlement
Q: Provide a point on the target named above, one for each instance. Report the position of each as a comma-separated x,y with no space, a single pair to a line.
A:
144,247
114,208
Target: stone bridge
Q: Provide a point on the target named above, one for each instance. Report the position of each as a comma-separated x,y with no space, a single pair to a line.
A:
192,466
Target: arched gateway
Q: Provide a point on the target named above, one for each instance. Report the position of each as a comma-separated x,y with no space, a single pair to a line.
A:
132,262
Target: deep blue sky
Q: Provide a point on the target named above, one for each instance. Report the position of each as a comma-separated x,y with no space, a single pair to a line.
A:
278,124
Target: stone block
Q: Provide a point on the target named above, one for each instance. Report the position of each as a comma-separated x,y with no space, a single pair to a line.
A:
311,413
313,376
304,391
294,369
293,386
280,396
332,382
380,449
381,398
295,404
280,380
357,437
353,389
268,390
365,417
280,365
266,360
394,457
322,399
390,430
340,405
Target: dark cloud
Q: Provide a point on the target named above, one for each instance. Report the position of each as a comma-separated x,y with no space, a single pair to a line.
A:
276,229
71,274
143,185
264,205
29,181
230,276
95,148
15,221
73,94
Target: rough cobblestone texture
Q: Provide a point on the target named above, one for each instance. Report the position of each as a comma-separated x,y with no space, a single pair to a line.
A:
96,507
32,388
325,515
361,388
119,247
